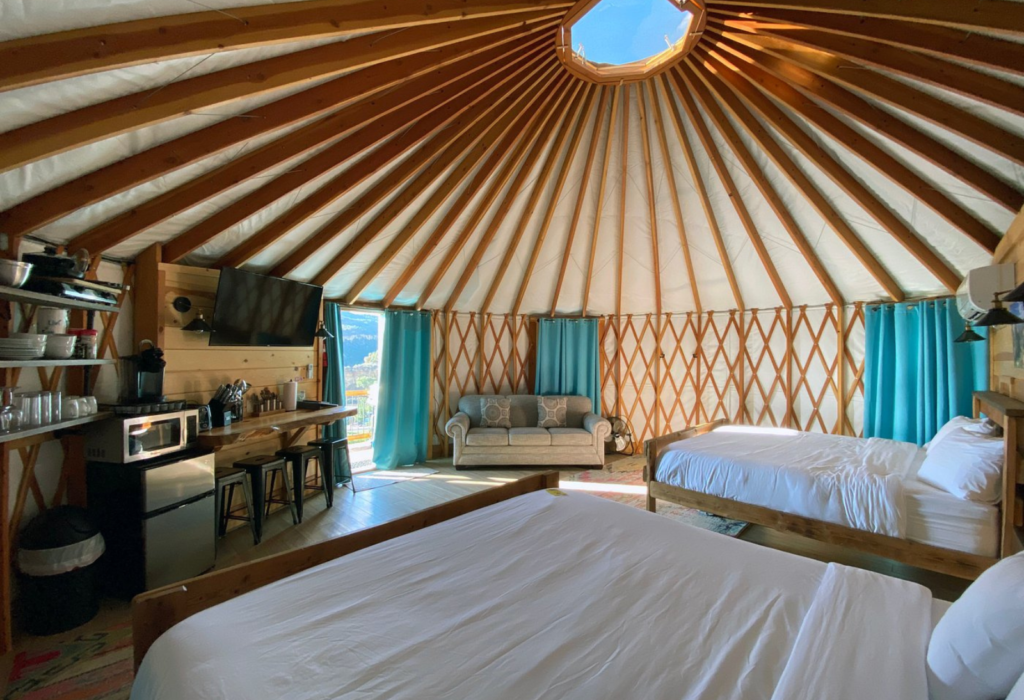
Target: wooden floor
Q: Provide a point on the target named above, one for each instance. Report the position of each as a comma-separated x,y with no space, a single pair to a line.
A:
367,508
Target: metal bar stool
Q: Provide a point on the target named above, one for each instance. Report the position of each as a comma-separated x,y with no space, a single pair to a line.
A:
228,478
299,457
258,468
336,459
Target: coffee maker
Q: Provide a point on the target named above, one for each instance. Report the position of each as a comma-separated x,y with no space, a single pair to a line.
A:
142,376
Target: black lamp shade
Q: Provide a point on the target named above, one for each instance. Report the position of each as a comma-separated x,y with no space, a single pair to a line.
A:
198,325
998,316
322,333
968,336
1016,295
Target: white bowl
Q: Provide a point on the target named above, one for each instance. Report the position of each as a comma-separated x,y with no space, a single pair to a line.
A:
60,347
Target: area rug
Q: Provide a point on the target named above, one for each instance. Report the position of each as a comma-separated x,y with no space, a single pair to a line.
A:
364,481
628,487
94,666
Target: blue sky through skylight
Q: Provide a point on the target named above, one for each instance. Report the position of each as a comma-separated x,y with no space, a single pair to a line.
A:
624,31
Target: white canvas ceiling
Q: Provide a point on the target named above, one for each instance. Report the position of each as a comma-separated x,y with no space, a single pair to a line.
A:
409,214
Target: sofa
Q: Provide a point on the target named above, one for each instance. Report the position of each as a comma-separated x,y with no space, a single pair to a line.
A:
580,442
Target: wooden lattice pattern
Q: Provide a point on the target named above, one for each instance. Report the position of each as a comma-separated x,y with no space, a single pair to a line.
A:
773,367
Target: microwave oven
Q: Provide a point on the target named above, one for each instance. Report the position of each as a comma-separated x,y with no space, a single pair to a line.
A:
127,439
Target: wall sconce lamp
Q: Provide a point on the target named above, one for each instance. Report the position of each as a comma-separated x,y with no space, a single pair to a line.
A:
322,333
998,315
198,324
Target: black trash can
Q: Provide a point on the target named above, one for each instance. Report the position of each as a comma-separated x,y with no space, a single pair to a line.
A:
59,577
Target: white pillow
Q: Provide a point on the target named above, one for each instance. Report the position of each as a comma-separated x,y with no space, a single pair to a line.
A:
977,650
954,423
986,427
966,465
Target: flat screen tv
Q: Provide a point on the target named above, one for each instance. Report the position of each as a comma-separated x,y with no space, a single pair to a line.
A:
259,310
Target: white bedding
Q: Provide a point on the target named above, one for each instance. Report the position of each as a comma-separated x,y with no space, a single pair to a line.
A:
543,596
849,481
775,469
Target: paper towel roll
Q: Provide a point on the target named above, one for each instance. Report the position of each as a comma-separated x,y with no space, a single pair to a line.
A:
290,395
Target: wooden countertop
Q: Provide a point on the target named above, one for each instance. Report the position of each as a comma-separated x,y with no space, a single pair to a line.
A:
266,425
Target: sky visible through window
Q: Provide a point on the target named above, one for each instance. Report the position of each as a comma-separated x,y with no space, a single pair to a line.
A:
624,31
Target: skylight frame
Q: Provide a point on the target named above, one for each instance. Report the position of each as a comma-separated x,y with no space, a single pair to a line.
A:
607,74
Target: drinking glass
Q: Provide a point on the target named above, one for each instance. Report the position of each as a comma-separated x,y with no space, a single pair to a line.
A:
45,407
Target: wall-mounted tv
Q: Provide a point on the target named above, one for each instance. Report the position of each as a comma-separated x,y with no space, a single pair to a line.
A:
259,310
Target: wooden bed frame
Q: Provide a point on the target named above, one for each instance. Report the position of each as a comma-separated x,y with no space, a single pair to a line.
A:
1004,410
156,611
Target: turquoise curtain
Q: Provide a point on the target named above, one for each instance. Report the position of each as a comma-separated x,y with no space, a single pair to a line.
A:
568,358
915,377
400,434
334,381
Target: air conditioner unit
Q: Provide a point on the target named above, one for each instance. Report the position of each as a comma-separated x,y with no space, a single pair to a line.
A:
976,292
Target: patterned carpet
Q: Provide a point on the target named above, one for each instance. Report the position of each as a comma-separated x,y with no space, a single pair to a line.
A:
622,480
93,666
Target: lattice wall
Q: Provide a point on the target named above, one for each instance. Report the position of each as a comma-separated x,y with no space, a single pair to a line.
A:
774,367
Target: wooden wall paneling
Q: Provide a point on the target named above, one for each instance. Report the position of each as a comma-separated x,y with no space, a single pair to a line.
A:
1006,376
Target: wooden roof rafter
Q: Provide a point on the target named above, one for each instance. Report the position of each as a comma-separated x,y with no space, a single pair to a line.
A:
439,97
841,176
588,166
565,128
940,155
817,199
684,243
698,182
170,156
944,42
563,174
588,280
644,95
474,142
868,151
516,77
522,158
67,54
514,136
714,114
181,97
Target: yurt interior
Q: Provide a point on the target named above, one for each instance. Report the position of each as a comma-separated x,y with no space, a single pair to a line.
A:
511,350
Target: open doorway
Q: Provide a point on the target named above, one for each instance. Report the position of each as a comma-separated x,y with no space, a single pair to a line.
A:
362,333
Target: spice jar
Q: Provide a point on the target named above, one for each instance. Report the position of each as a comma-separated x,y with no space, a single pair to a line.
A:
87,345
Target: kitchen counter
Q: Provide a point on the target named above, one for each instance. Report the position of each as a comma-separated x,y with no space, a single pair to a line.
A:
267,425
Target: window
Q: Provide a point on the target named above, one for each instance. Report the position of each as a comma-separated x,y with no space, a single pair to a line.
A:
620,40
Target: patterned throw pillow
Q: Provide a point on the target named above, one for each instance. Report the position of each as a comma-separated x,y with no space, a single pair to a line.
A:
495,412
551,411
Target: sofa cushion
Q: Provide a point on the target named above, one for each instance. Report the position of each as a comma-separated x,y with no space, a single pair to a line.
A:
487,437
525,437
470,405
494,412
551,411
575,408
523,410
569,436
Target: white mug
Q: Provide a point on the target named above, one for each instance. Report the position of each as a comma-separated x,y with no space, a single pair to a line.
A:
69,408
50,320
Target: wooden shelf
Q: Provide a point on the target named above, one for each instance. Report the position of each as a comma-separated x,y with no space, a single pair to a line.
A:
23,296
53,427
54,363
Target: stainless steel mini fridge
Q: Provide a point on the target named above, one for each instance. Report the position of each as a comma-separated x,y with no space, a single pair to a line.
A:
157,517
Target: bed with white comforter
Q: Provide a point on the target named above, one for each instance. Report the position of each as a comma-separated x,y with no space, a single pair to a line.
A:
555,595
865,484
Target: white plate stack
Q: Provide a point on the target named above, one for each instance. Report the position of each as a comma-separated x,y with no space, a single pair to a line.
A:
25,347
